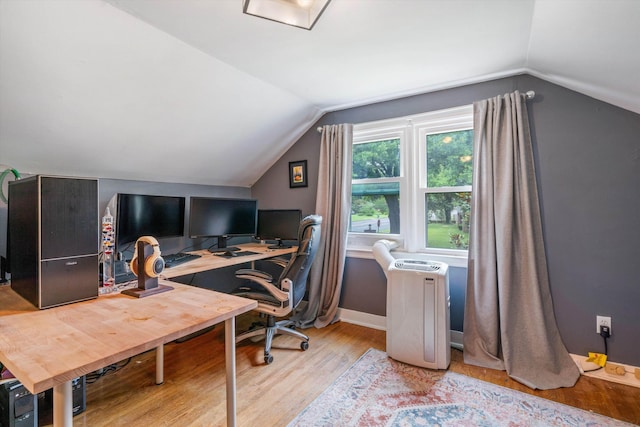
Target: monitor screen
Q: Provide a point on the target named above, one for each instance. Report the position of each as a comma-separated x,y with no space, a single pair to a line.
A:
278,224
215,217
144,215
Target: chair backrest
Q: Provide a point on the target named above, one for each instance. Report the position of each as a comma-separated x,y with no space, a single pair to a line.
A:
297,270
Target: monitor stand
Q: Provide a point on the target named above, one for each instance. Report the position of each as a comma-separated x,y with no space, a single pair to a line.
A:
225,249
222,246
279,245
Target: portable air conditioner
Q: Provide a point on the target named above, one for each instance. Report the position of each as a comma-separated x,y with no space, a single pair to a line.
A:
418,313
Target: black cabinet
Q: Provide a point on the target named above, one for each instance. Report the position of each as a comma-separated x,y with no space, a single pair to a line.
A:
54,239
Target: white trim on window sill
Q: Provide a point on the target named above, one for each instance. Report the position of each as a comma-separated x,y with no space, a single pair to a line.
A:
365,252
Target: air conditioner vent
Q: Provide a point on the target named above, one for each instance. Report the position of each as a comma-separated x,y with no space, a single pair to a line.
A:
416,264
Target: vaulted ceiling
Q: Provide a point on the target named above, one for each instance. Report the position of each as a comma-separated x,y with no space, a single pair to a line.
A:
195,91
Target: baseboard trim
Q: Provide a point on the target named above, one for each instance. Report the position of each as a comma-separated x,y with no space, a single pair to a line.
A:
374,321
628,378
456,340
360,318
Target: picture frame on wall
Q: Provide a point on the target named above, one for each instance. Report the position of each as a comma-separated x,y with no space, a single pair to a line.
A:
298,174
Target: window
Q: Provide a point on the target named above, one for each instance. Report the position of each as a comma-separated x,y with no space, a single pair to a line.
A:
411,181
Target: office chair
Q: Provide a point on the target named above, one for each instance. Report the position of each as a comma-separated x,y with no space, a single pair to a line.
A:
277,299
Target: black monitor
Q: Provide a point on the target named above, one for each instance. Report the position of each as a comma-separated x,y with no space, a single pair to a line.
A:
222,218
278,225
145,215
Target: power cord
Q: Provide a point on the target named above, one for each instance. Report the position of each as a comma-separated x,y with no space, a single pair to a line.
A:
96,375
605,333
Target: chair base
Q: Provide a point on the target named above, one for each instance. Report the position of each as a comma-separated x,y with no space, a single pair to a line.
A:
272,329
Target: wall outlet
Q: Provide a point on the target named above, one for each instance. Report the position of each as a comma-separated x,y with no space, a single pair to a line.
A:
603,321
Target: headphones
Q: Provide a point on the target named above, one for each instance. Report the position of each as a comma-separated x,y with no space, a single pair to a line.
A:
154,264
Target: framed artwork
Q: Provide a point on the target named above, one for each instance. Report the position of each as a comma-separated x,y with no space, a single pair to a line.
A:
298,174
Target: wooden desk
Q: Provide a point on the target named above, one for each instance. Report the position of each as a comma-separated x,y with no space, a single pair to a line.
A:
49,348
209,261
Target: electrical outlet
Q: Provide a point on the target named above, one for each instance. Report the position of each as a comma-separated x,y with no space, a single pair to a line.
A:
603,321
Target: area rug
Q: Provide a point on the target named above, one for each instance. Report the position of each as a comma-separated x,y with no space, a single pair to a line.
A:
379,391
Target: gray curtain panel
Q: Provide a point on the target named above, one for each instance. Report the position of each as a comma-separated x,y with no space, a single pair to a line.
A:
333,203
509,323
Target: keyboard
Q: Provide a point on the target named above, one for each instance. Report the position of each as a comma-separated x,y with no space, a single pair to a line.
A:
124,277
123,274
173,260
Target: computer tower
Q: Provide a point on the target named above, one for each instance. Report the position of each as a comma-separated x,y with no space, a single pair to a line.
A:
18,407
79,393
54,238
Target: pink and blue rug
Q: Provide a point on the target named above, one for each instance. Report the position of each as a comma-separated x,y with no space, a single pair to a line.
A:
379,391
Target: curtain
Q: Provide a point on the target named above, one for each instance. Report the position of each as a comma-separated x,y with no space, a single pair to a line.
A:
509,323
333,203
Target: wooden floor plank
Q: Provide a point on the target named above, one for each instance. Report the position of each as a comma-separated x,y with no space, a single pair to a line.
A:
272,395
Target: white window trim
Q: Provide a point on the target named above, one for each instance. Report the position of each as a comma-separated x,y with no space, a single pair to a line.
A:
411,130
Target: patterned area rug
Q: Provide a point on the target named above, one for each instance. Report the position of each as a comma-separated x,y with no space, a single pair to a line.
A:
379,391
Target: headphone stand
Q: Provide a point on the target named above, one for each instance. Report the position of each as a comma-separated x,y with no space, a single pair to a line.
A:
146,285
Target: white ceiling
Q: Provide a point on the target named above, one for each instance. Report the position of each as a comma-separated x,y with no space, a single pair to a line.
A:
194,91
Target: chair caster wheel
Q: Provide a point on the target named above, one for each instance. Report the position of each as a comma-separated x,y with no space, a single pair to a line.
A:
304,345
268,359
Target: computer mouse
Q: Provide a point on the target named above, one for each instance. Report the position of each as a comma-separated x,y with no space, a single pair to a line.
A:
230,253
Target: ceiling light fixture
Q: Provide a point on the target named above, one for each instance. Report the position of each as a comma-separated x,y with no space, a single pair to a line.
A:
298,13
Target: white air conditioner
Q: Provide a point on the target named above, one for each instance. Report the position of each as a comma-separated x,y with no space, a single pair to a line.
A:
418,313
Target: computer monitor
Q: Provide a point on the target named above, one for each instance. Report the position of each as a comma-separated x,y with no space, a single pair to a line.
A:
222,218
278,225
146,215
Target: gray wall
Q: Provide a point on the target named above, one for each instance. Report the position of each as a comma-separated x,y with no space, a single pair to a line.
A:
587,156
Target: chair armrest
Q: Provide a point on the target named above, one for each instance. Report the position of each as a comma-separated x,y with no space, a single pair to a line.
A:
278,294
249,273
282,262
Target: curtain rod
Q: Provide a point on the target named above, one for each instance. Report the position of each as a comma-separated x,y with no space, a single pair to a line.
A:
528,95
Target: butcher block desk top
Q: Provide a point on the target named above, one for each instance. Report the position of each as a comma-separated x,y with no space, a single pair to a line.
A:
46,348
209,261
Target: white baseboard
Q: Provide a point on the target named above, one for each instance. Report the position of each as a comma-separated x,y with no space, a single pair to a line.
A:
628,378
374,321
456,339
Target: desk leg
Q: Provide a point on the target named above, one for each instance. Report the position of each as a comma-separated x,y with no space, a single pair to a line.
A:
160,364
230,360
63,405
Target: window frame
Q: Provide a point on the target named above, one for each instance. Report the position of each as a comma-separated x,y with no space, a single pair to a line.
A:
412,131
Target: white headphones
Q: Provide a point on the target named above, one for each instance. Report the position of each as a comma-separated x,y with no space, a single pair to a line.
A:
154,264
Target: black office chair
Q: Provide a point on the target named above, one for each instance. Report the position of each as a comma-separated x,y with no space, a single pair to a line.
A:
278,299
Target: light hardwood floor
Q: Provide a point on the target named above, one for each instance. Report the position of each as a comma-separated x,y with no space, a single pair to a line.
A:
272,395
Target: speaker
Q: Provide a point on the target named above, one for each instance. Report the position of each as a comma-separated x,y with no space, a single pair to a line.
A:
54,239
18,407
